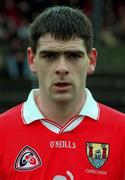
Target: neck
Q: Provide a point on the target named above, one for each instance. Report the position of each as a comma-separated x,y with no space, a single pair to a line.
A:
58,112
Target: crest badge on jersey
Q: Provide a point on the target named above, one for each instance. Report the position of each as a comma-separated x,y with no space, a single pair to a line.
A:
27,159
97,153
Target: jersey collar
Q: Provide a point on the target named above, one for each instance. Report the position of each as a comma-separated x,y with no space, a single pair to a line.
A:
30,111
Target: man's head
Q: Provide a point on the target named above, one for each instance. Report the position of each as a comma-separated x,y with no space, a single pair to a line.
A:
62,23
61,53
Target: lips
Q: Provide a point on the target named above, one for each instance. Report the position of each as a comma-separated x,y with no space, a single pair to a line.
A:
62,86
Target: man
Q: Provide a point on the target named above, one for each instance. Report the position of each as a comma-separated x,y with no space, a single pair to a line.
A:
61,132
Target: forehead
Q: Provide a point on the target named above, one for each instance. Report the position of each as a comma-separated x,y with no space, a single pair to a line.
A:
50,43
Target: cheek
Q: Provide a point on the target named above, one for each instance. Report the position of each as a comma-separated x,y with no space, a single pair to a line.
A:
41,73
81,74
45,78
82,69
41,67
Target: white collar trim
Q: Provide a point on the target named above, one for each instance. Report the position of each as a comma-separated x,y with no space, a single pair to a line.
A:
90,107
31,112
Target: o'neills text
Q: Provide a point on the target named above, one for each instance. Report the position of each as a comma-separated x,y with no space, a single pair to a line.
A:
63,144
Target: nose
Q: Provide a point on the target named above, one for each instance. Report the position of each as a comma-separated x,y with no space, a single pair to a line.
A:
62,67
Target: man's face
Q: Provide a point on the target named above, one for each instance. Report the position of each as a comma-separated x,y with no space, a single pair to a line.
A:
61,67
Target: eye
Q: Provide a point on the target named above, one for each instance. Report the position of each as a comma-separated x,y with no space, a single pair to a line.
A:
73,56
49,56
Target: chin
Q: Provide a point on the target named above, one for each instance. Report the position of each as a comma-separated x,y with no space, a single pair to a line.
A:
63,98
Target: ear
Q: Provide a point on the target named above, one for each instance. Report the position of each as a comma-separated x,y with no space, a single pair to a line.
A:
31,60
92,61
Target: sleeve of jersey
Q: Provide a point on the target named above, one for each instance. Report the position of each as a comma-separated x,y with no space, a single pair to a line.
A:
1,151
124,156
123,145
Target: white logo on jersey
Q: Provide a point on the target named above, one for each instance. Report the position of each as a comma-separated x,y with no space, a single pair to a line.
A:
27,159
60,177
63,144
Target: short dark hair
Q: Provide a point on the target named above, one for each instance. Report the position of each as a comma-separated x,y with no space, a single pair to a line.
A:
64,23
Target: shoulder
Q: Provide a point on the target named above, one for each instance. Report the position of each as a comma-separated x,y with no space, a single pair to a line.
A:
112,115
12,114
110,111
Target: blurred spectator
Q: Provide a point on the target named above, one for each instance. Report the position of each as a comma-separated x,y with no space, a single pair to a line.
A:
25,9
112,32
3,27
39,5
22,31
58,2
11,11
16,59
87,6
119,26
75,3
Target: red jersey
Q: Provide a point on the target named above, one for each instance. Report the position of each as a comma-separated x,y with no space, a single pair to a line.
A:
82,149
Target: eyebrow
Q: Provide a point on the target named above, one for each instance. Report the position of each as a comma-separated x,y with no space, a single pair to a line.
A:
65,52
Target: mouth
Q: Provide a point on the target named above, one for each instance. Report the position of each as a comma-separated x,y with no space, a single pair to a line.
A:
62,86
